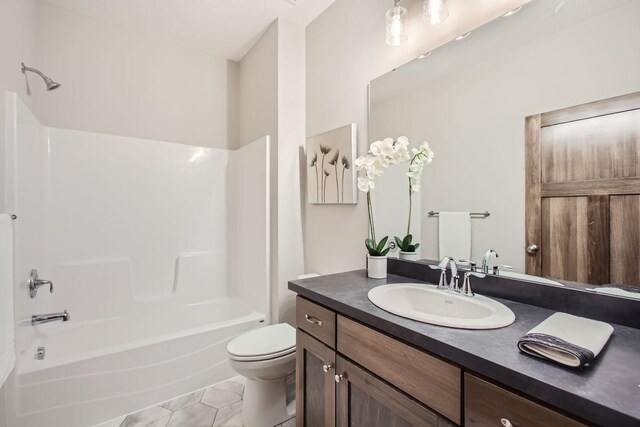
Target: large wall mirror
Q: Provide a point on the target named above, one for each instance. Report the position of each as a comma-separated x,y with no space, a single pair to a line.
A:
534,118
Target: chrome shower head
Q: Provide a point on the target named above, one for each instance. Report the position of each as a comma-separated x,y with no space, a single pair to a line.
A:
51,85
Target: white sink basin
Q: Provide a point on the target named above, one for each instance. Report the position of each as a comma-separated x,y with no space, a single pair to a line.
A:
425,303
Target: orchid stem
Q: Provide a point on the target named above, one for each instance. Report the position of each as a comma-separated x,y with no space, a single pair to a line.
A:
409,222
372,229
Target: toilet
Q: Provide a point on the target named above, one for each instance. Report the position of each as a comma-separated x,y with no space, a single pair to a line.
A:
266,357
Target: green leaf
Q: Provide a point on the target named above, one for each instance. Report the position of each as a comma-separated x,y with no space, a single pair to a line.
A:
407,240
416,246
398,241
385,252
369,243
382,244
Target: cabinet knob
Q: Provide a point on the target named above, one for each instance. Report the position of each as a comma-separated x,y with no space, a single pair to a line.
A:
505,422
313,320
327,368
532,249
341,377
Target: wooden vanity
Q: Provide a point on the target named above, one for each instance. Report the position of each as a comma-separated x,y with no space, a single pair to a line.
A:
349,374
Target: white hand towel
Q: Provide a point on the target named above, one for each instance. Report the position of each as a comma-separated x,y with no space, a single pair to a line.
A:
571,340
7,352
454,235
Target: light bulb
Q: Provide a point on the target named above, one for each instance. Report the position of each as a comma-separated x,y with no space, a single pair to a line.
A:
435,11
396,26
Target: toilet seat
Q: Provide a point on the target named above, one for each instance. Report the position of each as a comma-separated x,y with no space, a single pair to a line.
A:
265,343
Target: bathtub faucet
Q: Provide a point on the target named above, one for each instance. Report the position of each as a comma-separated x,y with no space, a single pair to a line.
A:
51,317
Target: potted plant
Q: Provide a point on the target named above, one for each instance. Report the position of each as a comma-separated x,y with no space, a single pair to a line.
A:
381,154
419,158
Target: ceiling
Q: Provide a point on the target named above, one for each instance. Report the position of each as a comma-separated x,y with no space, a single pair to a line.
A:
226,28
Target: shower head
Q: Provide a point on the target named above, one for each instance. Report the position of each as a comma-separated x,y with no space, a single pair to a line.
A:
51,85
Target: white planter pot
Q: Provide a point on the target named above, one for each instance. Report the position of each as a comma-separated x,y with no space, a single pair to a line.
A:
410,256
376,267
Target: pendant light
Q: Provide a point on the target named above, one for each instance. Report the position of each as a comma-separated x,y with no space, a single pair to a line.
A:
396,25
435,12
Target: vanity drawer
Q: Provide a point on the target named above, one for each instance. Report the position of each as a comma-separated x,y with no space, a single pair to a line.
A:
426,378
486,404
316,321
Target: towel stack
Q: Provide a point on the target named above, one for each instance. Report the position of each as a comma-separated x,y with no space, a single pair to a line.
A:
570,340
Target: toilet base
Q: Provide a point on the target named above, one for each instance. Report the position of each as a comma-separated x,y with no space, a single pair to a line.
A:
266,403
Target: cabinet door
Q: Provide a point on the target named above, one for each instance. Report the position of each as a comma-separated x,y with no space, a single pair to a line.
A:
315,384
362,400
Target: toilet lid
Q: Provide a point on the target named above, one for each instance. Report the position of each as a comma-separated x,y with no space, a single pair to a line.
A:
267,341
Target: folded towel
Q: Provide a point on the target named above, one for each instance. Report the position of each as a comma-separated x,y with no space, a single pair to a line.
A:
570,340
454,235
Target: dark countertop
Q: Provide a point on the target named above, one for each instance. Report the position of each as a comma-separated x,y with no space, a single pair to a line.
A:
606,393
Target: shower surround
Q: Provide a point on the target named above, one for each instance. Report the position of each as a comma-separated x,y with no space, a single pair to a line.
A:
145,243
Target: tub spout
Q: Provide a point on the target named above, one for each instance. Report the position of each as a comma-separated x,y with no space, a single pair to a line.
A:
51,317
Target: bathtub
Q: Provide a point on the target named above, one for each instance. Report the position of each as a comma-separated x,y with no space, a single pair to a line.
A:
156,279
97,370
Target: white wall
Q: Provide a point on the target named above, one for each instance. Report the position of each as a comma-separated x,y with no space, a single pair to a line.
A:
257,117
474,120
17,28
122,82
345,48
271,102
291,139
258,89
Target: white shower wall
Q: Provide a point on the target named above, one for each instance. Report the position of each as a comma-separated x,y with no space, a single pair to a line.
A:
123,223
147,213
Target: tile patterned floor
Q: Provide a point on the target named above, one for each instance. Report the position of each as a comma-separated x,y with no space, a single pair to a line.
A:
217,406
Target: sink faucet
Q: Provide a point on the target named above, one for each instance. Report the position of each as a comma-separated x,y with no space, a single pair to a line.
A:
485,260
442,266
466,284
37,319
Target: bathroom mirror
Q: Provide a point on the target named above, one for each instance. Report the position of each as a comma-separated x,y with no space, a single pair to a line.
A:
496,108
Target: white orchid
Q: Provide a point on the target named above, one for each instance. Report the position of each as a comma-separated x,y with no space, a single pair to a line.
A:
381,155
420,158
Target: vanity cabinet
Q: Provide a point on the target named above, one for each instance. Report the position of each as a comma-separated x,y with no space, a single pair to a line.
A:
335,391
350,375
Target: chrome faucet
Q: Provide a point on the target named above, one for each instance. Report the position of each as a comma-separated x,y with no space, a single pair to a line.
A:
442,266
37,319
485,260
35,282
466,284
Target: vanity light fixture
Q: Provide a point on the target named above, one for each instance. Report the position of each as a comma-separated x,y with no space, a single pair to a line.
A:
396,25
435,12
512,12
463,36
